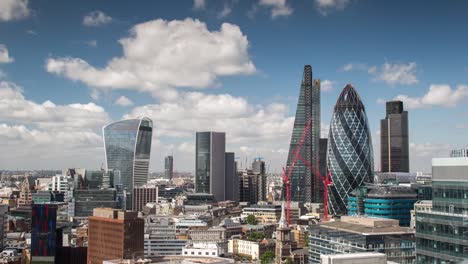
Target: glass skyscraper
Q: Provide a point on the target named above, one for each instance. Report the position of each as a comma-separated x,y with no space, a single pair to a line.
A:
350,156
394,156
210,164
305,186
127,145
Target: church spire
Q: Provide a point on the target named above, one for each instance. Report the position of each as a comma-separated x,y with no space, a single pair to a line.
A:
283,223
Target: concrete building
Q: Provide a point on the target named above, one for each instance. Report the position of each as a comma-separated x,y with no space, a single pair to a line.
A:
459,153
143,195
362,234
353,258
25,195
441,231
265,214
3,223
202,250
248,186
231,184
258,168
114,234
85,201
161,237
394,146
209,164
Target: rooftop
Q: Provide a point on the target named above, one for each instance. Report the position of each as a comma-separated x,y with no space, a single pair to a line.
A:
368,226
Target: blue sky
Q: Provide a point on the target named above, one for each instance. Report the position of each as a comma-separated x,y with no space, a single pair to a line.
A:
69,67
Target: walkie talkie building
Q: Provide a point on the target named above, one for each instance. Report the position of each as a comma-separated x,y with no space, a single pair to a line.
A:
350,157
127,145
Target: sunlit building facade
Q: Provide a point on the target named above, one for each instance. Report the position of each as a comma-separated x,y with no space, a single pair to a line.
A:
127,145
350,158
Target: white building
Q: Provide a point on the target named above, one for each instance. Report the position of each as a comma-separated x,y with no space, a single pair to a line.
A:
202,250
247,248
353,258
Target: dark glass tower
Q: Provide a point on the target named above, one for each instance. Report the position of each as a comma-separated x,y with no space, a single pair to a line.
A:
304,184
350,155
169,167
127,146
394,156
210,164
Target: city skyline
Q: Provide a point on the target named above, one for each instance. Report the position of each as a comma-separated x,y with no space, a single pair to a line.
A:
66,70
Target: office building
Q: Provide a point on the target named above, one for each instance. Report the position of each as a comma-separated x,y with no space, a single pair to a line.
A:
209,164
362,234
40,197
458,153
383,201
323,144
258,168
231,178
394,147
304,184
127,145
246,248
350,158
25,195
353,258
441,230
161,237
114,234
43,236
85,201
143,195
169,167
264,213
248,186
3,223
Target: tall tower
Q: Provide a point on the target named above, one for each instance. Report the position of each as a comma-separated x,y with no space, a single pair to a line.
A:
350,156
283,239
127,146
394,150
169,167
304,183
210,164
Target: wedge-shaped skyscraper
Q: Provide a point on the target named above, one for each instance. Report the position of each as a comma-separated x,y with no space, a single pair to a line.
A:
350,157
305,186
127,145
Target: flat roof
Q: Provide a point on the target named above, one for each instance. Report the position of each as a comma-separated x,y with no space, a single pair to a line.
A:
366,230
453,161
355,255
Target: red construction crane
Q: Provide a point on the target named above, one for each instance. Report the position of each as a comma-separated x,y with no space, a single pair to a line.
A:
287,176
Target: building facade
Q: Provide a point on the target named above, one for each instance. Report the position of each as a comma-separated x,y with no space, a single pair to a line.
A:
362,234
169,167
43,236
258,168
394,146
384,201
143,195
350,157
127,145
114,234
458,153
304,184
85,201
442,231
161,237
209,164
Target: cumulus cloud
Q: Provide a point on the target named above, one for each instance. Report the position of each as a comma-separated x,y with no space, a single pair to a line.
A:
13,9
4,55
160,55
326,6
41,135
123,101
199,4
326,85
96,18
391,73
225,11
278,7
92,43
438,95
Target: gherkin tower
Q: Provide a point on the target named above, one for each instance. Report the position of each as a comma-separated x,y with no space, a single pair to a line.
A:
305,186
350,158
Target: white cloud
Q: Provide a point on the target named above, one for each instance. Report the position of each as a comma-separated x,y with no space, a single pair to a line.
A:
355,67
326,6
160,55
4,55
187,147
392,74
92,43
123,101
46,135
438,95
279,7
199,4
225,11
96,18
13,9
14,107
326,85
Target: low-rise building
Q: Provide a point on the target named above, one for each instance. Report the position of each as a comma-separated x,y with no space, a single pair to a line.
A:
353,258
203,250
246,248
264,213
